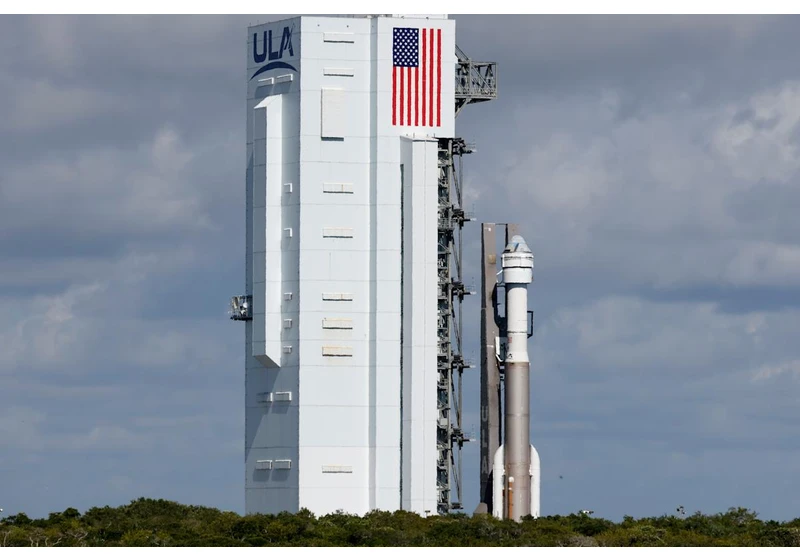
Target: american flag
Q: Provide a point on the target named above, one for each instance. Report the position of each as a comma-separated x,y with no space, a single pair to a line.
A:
417,77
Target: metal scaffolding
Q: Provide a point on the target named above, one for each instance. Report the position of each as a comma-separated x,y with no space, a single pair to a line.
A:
475,82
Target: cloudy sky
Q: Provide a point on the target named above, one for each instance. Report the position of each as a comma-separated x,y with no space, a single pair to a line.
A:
652,163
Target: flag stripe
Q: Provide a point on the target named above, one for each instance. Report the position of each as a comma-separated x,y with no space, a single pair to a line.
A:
424,75
439,76
402,91
416,96
430,84
408,108
394,97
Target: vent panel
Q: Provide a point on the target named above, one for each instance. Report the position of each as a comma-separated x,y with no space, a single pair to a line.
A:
337,188
337,232
338,37
337,296
337,323
347,72
337,469
341,351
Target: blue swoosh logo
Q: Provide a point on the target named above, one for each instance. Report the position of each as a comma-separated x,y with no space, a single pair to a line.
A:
273,66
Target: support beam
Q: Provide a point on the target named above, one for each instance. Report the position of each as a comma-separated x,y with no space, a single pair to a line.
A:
490,373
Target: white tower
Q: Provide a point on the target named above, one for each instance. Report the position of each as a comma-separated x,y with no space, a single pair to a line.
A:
343,116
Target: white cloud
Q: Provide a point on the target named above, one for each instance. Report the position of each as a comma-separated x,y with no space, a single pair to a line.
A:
577,174
692,350
765,264
109,191
39,104
642,42
628,335
649,201
44,330
770,371
64,46
86,325
759,138
56,41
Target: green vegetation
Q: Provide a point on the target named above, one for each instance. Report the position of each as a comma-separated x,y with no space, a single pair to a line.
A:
146,522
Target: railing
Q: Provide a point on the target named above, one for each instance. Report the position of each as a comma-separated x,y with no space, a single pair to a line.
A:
475,81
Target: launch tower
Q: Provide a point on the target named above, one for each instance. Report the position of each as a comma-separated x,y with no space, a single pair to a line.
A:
353,271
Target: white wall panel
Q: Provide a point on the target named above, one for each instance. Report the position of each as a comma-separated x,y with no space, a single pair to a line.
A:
259,218
388,300
259,267
354,149
315,457
389,357
388,391
387,422
260,380
335,261
389,268
388,332
333,425
419,346
389,238
272,425
388,473
387,499
340,386
334,122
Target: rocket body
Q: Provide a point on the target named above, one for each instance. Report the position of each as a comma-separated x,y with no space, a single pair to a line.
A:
517,262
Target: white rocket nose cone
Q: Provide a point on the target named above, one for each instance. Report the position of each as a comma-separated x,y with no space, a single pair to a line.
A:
517,245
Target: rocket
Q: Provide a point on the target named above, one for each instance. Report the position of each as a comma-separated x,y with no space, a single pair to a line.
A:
516,466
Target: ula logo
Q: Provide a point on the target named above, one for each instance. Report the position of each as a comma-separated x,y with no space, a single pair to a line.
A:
272,50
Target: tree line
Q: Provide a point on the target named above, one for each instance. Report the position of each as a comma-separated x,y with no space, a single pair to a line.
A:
149,522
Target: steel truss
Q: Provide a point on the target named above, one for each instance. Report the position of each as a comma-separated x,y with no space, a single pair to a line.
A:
475,82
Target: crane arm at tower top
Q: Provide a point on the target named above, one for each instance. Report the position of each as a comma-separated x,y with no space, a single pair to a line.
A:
475,81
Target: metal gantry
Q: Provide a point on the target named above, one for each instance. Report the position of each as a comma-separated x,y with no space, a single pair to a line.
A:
475,82
241,308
